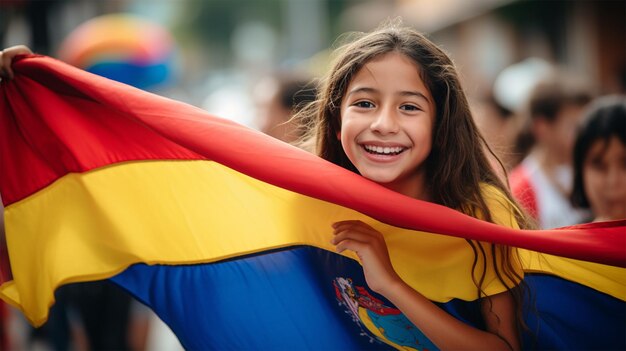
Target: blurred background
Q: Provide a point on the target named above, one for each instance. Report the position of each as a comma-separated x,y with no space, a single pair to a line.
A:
220,48
240,59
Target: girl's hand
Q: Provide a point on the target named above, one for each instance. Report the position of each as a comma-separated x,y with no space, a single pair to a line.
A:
6,59
370,246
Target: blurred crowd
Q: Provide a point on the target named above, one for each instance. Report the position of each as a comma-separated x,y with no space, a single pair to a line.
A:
558,140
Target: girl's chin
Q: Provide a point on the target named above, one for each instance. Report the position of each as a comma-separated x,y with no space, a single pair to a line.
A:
379,178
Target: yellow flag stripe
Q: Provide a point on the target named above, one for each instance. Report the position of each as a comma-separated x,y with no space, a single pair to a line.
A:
93,225
607,279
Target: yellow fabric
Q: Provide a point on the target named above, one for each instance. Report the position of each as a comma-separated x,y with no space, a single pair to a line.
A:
607,279
93,225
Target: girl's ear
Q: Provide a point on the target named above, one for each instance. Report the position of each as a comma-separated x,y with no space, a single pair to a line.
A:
338,135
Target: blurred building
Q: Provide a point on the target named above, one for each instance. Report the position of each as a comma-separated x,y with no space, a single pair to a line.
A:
585,37
485,36
256,36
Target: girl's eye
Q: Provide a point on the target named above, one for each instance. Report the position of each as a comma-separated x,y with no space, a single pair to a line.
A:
364,104
597,164
410,108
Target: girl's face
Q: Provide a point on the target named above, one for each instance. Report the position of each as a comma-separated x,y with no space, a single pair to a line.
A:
387,118
604,174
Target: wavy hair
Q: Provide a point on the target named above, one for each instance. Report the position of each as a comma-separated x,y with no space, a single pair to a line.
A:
457,167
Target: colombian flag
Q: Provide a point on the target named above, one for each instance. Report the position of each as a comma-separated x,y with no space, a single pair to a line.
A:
224,232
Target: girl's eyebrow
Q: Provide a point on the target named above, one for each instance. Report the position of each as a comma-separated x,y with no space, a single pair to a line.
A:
362,90
375,91
414,93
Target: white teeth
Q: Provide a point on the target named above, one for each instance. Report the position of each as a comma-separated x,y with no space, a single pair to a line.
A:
384,150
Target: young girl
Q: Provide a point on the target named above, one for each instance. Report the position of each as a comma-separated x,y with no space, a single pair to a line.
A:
392,109
600,160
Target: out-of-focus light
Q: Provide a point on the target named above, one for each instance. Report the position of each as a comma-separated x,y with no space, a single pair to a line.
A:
122,47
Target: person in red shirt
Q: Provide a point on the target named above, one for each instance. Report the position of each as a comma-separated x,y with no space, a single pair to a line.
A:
542,181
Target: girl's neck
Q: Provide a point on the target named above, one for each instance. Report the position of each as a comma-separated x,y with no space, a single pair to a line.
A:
415,189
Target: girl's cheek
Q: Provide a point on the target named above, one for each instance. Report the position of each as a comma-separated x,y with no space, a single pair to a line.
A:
621,183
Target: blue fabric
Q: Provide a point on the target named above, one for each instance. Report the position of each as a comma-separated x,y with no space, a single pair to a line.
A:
281,300
571,316
300,297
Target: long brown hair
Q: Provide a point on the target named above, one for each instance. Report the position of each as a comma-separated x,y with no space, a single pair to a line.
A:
457,167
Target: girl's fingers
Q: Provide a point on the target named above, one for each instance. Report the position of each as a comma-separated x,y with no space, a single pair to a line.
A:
350,223
349,235
5,66
350,244
370,247
358,237
354,226
360,232
354,240
6,58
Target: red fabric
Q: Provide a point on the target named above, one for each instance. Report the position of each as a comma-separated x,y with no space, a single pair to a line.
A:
68,123
57,119
523,191
5,264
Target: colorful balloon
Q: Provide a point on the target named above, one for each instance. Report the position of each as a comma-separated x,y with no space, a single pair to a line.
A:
122,47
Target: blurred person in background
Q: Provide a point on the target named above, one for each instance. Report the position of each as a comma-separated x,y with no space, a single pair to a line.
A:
35,14
600,160
501,128
542,181
277,98
506,117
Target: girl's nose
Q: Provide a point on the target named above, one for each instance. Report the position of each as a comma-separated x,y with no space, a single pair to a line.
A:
385,122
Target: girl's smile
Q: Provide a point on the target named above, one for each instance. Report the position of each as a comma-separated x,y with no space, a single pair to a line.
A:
383,152
387,117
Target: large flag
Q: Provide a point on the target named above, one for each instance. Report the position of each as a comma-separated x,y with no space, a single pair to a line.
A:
224,232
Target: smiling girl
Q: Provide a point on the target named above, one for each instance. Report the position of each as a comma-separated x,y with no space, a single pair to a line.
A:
392,109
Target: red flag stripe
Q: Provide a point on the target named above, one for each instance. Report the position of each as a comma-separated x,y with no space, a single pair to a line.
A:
57,119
